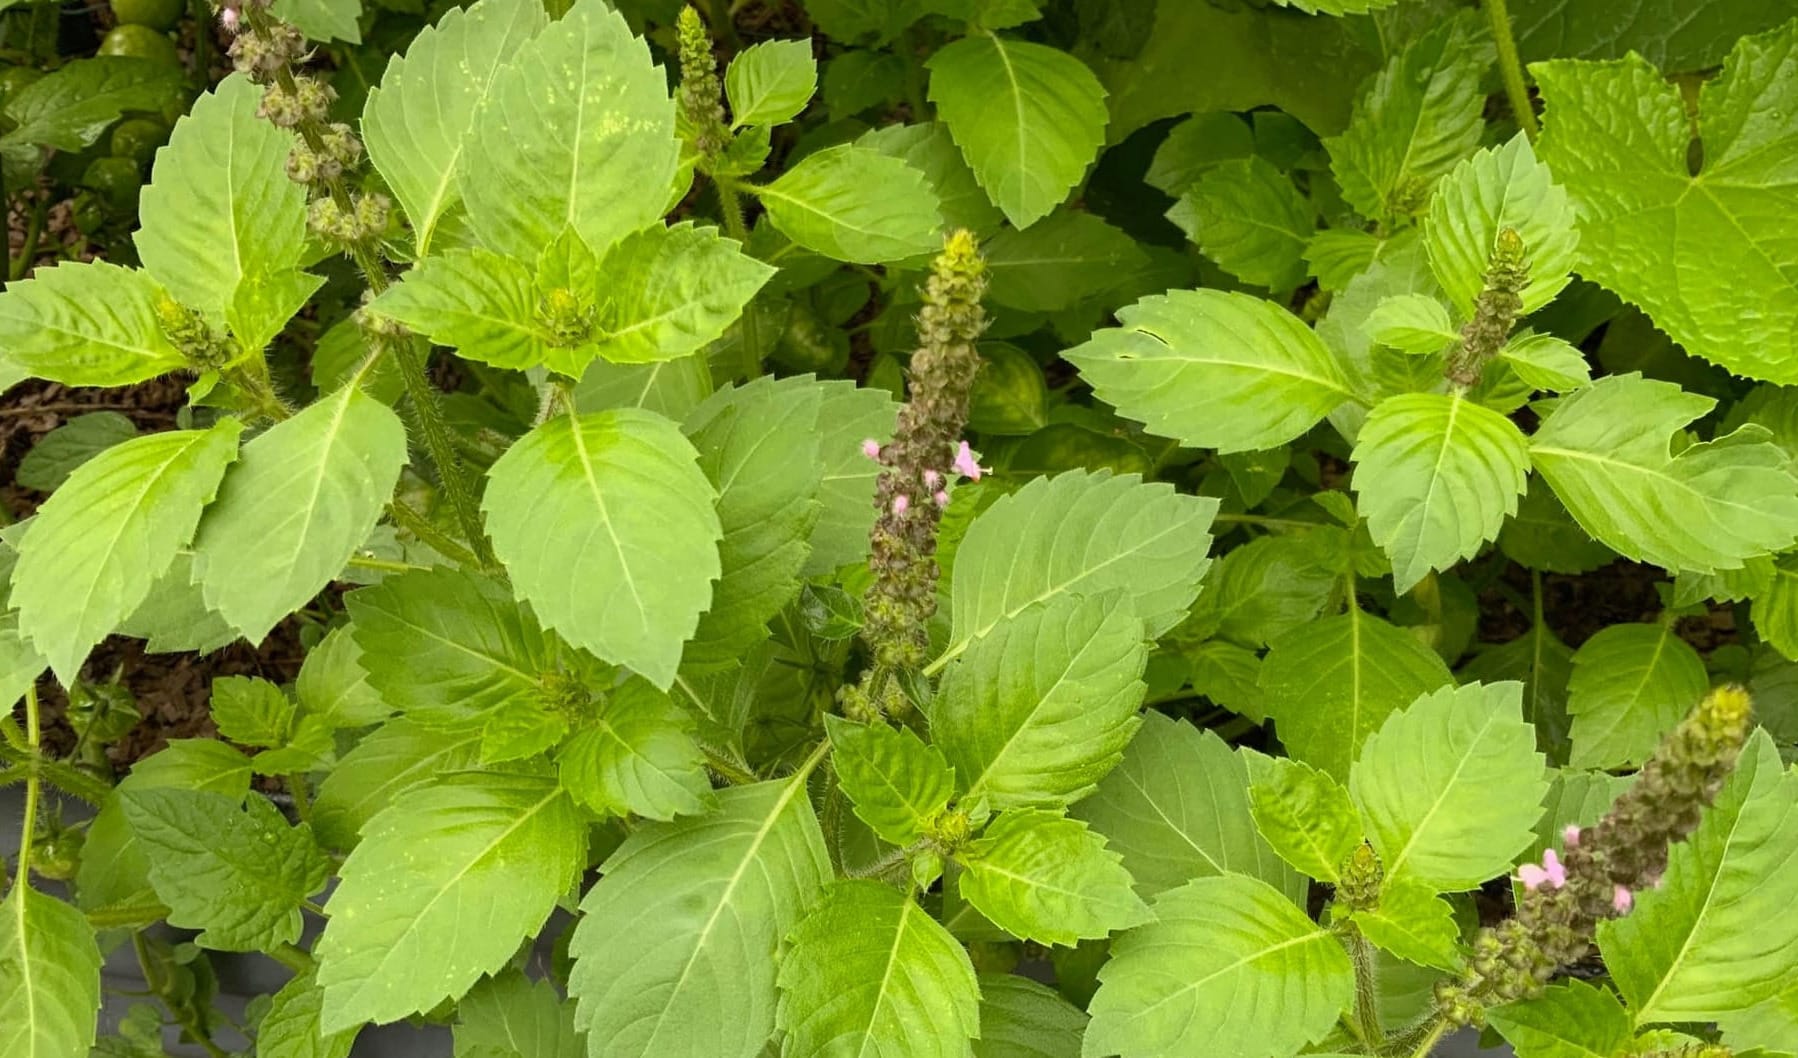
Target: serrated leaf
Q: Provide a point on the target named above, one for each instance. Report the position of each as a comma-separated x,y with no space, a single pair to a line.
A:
1631,684
637,756
56,455
1497,189
1041,876
442,889
1450,787
1546,362
1065,258
98,544
770,83
667,293
1229,966
1604,449
1213,370
1412,323
575,131
291,1029
930,150
333,685
855,204
1437,475
250,711
1775,610
482,304
1305,816
49,977
1263,588
1542,536
86,324
1413,923
402,754
870,971
896,782
608,528
1029,119
224,229
231,868
1036,711
849,414
672,956
1022,1019
1573,1019
71,106
1246,215
520,1016
322,19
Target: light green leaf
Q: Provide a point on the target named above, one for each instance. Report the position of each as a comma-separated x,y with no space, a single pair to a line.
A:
871,972
86,324
1546,362
1631,684
332,684
1604,449
445,884
1331,683
668,293
1229,966
479,303
251,712
1305,816
517,1016
1022,1019
930,150
1264,587
1029,119
637,756
1041,876
1437,475
224,229
1412,323
1194,146
1450,788
1214,370
1543,536
56,455
575,131
1499,188
1714,937
1040,708
1573,1019
49,977
1246,215
231,868
1010,395
672,957
896,782
302,498
606,525
1775,610
849,415
20,663
770,83
1413,923
99,543
1707,254
322,19
401,755
855,204
291,1029
669,387
174,617
1065,258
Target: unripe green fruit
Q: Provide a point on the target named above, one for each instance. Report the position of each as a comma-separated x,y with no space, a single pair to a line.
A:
116,181
140,42
137,139
157,14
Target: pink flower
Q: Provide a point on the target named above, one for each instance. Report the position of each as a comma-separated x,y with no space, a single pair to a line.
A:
932,479
1570,836
871,449
228,19
900,503
941,498
965,465
1551,872
1622,899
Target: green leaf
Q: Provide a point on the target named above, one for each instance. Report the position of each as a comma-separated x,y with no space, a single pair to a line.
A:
322,19
49,977
1714,937
99,543
517,1016
71,106
1305,816
1775,610
1213,370
930,150
1631,684
1707,253
1065,258
606,525
855,204
1265,587
1246,215
770,83
333,685
401,755
637,756
1010,395
575,131
1228,966
1022,1019
1194,146
1604,449
1029,119
251,711
1041,876
1036,711
59,452
672,957
231,868
1420,115
1699,40
415,120
859,79
445,884
1331,683
86,324
1573,1019
1543,536
1497,189
669,292
849,414
1412,323
1413,923
1437,475
224,229
1546,362
1450,787
291,1029
479,303
896,782
302,498
871,972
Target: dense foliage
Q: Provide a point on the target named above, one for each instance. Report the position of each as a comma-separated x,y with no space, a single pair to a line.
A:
935,527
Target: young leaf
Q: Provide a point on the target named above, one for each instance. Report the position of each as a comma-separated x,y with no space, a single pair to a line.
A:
1065,258
56,455
1213,370
770,83
415,120
231,868
672,957
1546,362
855,204
607,526
1437,475
296,506
392,760
479,303
86,324
669,292
1265,587
291,1029
1029,119
97,546
1022,1019
250,711
848,415
575,131
869,971
1450,788
1604,449
1413,923
1500,188
1246,215
444,885
896,782
333,685
1332,683
637,756
49,977
1412,323
1631,684
1041,876
1039,709
1573,1019
929,149
516,1015
1306,816
1227,966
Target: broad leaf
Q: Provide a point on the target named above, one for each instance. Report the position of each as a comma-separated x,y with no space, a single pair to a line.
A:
56,455
322,19
72,105
1574,1019
1412,323
848,415
1265,587
1631,684
251,712
1063,259
49,977
333,685
480,303
896,782
637,756
1498,189
1022,1019
516,1015
1546,362
1044,877
1413,923
667,293
290,1028
1246,215
771,82
929,149
856,204
396,758
86,324
1305,816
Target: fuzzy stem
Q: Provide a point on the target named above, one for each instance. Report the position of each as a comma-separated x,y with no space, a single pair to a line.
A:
27,826
1511,67
1367,986
440,443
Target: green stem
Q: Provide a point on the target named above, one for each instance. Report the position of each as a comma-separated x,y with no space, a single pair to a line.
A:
440,443
420,526
914,77
1367,987
33,739
1431,1038
1511,67
1264,522
301,792
383,565
730,208
127,916
293,958
34,228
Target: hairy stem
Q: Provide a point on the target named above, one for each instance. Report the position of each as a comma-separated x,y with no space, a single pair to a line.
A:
33,740
440,443
1367,986
1511,67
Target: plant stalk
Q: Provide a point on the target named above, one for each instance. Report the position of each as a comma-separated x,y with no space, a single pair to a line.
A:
1511,67
27,826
